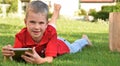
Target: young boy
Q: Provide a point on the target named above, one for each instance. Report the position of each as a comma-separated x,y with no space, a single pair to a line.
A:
41,35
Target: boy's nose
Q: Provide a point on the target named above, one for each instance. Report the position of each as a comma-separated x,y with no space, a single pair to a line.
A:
37,26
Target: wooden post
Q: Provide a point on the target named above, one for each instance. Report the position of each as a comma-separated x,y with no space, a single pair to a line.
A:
20,6
114,31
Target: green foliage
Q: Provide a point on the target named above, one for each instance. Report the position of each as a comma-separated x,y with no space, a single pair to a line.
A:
114,8
117,8
108,8
100,15
117,1
92,12
13,5
50,15
0,11
104,13
82,12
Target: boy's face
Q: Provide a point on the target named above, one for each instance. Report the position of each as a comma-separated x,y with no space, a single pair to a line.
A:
36,24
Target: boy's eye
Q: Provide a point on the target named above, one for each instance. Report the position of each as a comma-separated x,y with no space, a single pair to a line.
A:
32,21
41,22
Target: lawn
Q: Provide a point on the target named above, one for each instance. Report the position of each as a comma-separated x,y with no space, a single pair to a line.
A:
97,55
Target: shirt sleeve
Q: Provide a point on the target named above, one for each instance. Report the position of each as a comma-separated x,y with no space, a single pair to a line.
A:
53,25
51,49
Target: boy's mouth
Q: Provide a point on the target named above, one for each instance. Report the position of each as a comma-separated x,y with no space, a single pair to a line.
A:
36,32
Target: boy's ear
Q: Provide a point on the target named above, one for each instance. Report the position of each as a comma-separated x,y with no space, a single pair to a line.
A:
25,21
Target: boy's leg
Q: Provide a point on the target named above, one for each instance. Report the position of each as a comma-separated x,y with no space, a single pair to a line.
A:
79,44
55,15
89,42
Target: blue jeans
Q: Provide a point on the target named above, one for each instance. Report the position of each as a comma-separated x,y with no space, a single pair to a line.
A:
75,46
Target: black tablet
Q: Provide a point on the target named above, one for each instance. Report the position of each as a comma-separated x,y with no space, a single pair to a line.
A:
19,52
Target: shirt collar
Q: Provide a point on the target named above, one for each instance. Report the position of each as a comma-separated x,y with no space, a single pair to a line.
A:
30,41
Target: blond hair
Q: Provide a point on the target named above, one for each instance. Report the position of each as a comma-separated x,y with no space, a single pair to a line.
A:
37,7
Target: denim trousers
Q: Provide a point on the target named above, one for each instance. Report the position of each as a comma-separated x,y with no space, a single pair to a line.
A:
76,45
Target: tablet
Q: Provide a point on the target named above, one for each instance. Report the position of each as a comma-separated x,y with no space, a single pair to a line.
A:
19,52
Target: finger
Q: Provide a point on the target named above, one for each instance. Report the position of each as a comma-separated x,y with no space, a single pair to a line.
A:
27,59
9,46
28,54
33,50
36,55
8,53
6,48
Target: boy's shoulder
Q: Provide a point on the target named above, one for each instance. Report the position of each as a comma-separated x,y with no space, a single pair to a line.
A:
22,32
51,27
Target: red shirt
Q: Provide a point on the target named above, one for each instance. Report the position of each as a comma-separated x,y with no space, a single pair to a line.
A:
48,46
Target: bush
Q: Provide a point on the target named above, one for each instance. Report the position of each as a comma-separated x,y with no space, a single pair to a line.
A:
115,8
107,8
50,15
104,13
101,15
82,12
92,12
13,5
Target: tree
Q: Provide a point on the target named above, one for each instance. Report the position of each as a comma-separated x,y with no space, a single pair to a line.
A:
117,1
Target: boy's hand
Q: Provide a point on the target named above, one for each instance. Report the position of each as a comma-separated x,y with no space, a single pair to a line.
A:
34,58
6,51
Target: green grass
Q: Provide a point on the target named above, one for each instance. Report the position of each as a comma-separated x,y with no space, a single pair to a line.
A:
98,55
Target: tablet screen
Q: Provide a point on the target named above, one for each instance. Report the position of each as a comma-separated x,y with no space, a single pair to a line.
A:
19,52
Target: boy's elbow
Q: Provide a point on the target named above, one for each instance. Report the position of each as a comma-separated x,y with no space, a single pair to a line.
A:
49,59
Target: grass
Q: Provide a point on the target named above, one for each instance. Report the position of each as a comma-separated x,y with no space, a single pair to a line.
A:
98,55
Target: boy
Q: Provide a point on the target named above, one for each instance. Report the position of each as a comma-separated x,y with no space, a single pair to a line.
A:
41,35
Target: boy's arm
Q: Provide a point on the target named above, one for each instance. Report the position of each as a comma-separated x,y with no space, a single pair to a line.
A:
55,15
